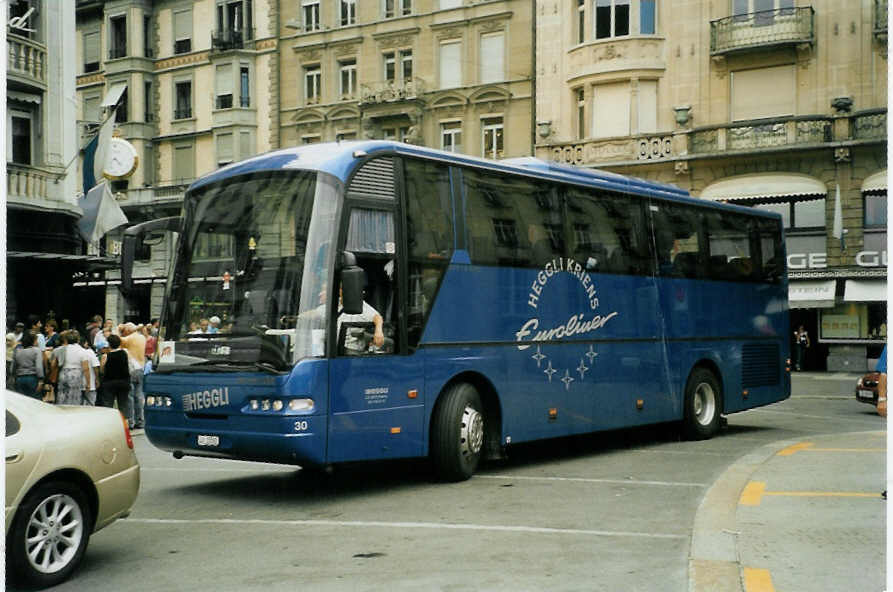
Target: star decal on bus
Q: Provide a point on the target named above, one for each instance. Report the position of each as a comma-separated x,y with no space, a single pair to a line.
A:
591,354
538,356
567,380
550,371
582,369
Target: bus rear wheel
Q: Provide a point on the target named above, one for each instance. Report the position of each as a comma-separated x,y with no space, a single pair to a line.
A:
703,405
457,433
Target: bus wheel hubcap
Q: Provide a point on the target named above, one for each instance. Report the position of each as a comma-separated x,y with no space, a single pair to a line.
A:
705,403
472,433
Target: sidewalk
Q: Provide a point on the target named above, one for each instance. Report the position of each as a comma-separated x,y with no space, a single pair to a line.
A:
795,515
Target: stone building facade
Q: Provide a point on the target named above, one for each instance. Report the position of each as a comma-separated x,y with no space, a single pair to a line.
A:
769,103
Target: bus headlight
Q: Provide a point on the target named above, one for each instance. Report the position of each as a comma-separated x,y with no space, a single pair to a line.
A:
277,405
150,401
168,402
265,405
254,405
300,405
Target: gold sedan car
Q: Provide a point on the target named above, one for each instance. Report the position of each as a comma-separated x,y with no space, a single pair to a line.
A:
69,472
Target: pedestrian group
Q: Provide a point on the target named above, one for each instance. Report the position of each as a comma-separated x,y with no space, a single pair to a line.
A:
103,366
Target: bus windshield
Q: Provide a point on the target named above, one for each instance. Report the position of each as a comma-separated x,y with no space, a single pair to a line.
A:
255,254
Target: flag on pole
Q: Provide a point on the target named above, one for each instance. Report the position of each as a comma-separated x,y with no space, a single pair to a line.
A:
101,213
95,151
837,228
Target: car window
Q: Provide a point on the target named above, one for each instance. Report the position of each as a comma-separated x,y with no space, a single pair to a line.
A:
12,424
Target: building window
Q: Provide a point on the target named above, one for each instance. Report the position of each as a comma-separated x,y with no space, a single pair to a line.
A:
876,211
91,51
346,136
390,67
581,114
310,9
581,21
798,214
183,31
766,7
492,58
450,64
121,113
348,70
647,17
492,137
312,84
395,134
647,123
348,12
451,136
506,232
391,72
118,37
310,140
224,83
406,63
611,18
148,164
147,102
26,12
763,92
147,38
91,109
244,87
183,108
20,148
231,16
184,163
394,8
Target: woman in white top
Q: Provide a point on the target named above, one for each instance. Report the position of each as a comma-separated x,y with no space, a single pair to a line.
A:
74,373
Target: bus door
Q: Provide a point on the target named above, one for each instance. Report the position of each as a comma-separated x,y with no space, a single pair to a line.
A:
376,395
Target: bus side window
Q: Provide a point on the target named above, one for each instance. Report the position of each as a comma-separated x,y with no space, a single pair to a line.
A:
429,237
728,241
770,251
607,232
677,239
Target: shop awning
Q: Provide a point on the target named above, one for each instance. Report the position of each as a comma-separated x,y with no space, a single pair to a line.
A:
114,95
865,291
811,294
764,186
875,183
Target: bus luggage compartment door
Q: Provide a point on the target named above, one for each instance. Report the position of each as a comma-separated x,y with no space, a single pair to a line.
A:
377,407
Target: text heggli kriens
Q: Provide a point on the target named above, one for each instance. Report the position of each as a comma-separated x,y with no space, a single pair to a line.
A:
577,324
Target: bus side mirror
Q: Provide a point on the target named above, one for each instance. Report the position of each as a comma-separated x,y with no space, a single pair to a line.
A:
352,279
147,233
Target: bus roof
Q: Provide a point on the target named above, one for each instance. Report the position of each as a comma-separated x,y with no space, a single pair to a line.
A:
340,158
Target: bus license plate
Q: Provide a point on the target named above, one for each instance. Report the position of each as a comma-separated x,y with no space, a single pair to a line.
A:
866,395
208,440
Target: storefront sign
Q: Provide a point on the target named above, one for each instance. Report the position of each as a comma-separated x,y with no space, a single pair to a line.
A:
820,260
20,23
836,326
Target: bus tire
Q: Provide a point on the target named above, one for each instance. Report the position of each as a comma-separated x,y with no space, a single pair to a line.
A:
703,405
457,433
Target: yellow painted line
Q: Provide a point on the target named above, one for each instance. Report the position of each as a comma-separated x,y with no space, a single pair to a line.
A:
757,580
821,494
790,450
755,490
845,450
752,493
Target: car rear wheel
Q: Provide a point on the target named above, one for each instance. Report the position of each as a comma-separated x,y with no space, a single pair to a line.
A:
49,535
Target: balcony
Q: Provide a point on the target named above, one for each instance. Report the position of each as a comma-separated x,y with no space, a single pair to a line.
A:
762,30
27,60
870,125
641,149
755,135
391,92
229,39
26,183
880,20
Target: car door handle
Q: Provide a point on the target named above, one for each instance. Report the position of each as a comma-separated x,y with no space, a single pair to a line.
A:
13,456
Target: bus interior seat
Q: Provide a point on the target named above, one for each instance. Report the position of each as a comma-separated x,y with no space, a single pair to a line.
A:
686,265
719,266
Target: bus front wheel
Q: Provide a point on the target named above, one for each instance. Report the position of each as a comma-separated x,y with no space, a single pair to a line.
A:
703,405
457,433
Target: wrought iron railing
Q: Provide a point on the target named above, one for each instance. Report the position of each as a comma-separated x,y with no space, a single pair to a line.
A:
26,58
752,135
386,91
117,52
227,39
184,113
759,29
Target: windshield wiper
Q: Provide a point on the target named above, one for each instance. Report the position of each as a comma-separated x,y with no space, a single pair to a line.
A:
224,365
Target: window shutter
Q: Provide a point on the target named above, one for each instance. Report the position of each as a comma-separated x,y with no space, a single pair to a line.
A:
647,106
450,64
224,79
183,25
91,47
493,58
445,4
225,148
91,109
763,92
611,110
245,149
184,163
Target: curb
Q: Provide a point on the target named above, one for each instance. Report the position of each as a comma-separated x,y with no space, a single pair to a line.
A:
713,562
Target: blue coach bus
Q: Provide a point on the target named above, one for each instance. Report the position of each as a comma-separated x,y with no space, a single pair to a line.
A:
376,300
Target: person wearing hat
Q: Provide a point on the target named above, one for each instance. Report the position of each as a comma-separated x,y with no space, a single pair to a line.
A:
19,330
214,324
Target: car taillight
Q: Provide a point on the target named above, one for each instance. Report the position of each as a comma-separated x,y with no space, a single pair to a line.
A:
127,433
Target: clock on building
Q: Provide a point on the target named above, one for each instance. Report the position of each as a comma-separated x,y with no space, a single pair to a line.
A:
121,159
